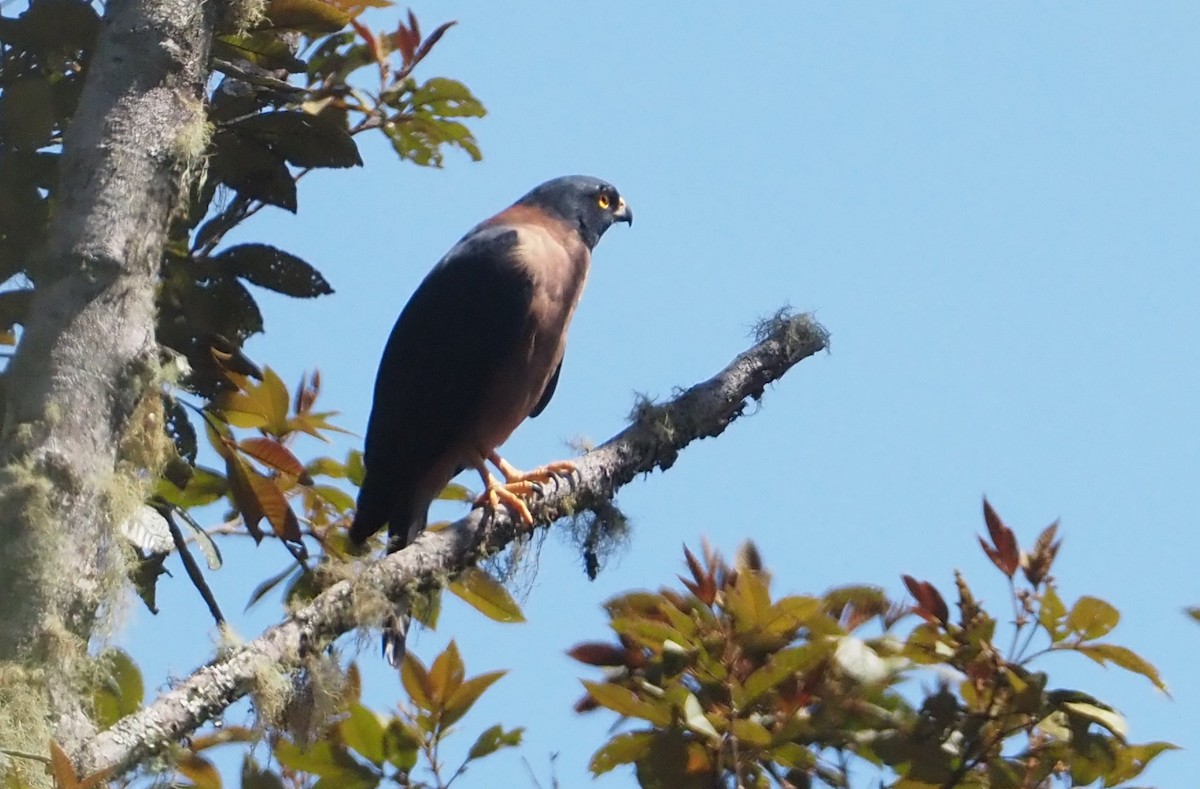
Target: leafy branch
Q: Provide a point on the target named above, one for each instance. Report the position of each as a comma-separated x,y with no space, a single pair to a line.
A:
706,409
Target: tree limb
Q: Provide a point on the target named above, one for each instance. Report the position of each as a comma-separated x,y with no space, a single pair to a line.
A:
654,440
87,356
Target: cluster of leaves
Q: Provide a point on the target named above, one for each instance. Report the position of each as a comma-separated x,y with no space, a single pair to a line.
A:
43,58
263,480
358,748
293,98
734,688
352,746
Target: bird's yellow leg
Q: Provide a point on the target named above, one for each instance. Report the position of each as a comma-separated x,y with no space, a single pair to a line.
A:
496,492
514,476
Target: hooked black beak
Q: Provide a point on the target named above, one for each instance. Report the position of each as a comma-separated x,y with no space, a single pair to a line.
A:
623,212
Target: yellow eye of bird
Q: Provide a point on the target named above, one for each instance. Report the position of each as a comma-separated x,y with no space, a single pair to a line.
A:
603,201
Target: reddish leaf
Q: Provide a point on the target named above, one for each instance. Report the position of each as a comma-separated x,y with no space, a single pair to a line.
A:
446,674
1039,562
258,497
61,767
405,43
931,606
415,679
434,37
586,704
705,586
1006,556
597,654
372,43
271,453
307,391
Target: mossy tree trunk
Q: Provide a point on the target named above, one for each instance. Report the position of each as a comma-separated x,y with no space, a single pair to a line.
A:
78,387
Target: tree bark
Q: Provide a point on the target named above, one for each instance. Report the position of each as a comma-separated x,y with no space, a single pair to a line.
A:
87,357
654,440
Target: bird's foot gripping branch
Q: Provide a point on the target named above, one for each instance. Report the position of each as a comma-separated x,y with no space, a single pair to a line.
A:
654,439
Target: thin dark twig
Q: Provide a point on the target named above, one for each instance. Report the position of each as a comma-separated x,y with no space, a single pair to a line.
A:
193,569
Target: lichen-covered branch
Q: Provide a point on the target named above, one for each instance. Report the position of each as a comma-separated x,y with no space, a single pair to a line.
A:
87,356
654,440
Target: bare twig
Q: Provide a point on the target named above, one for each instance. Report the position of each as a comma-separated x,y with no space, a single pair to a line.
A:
653,441
193,569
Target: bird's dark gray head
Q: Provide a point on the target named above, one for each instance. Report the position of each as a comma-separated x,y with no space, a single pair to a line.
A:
590,204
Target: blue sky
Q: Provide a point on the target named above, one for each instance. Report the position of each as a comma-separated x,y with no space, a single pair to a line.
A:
993,209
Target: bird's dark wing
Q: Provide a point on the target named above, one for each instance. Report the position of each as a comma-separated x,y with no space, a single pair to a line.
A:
548,392
465,318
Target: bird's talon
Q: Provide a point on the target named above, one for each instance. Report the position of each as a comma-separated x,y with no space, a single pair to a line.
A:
510,496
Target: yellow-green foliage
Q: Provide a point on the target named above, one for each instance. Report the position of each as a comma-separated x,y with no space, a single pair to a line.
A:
242,16
23,724
272,692
725,681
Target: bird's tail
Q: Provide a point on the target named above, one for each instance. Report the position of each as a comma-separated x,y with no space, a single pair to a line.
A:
371,513
405,524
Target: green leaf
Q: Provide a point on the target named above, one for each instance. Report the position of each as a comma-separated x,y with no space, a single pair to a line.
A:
1193,612
1092,617
624,701
624,748
27,113
265,49
252,168
448,98
326,467
255,777
212,554
145,578
355,470
204,487
1051,615
1108,718
791,613
273,393
419,139
446,674
338,498
695,719
359,778
179,428
401,743
781,665
304,140
363,732
415,679
456,492
1133,759
14,307
465,696
1125,658
325,759
266,586
752,732
308,16
651,633
749,602
486,595
274,269
493,740
120,689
